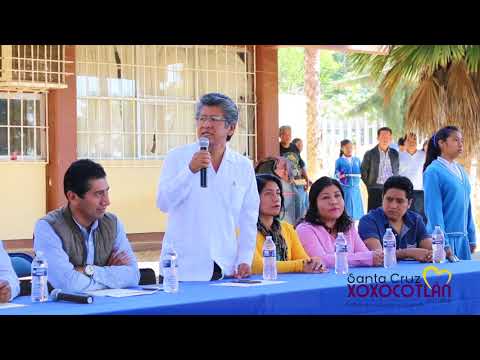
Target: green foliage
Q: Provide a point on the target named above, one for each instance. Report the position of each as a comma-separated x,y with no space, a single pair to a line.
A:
291,70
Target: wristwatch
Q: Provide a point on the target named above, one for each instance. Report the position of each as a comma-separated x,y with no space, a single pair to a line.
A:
89,270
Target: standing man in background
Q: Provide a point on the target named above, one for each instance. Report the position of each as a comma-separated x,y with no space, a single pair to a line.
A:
411,166
378,165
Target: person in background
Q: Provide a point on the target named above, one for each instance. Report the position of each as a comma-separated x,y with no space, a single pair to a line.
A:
291,257
401,144
447,193
411,166
290,151
306,183
9,285
347,172
325,218
379,163
425,147
413,240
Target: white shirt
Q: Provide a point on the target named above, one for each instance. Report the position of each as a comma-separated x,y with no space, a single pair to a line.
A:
8,273
202,222
452,166
411,166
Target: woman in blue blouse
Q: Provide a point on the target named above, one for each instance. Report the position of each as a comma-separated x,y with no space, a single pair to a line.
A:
347,171
447,193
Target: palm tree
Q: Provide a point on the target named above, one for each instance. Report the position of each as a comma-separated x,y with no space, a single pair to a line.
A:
314,136
446,83
374,106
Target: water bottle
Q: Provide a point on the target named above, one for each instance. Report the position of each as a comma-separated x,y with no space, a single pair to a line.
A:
389,249
39,278
341,255
438,243
269,259
169,266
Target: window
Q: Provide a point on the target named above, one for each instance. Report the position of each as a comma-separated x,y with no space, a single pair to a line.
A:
23,128
33,66
138,102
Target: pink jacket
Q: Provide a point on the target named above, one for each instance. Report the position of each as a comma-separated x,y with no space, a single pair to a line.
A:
318,242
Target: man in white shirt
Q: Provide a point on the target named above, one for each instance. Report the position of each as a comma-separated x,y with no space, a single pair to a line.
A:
213,229
411,166
9,285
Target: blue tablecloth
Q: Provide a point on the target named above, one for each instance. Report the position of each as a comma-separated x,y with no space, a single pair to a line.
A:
301,294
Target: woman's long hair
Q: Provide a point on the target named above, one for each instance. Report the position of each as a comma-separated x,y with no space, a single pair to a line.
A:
342,144
343,223
262,180
433,150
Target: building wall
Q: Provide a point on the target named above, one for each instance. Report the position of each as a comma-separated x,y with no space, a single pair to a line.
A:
22,193
39,187
133,193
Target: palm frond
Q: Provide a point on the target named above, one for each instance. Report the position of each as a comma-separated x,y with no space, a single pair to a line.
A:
426,109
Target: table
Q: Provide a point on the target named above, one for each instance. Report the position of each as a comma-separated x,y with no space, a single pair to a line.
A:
301,294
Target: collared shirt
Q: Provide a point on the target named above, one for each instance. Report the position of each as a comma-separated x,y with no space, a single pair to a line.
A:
61,272
8,273
375,224
384,167
452,166
411,166
203,222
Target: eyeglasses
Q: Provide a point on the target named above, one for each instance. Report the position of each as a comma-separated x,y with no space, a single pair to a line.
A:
214,118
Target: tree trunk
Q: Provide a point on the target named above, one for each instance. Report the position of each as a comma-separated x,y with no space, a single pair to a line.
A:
314,135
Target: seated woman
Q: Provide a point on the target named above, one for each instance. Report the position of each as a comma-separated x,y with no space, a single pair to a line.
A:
280,167
326,216
291,256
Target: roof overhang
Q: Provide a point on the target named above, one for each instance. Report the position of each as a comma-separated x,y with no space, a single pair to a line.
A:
371,49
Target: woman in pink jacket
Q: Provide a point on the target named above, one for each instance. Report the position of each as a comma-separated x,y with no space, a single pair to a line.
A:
326,216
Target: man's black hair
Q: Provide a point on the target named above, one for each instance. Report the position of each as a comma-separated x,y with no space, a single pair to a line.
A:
79,174
400,183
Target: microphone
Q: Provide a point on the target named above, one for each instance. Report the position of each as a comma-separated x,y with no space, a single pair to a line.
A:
79,298
203,142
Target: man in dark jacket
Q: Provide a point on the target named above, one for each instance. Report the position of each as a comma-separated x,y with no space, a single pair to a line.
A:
378,165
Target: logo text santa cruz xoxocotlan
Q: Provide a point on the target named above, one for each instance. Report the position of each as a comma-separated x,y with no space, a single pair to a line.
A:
399,286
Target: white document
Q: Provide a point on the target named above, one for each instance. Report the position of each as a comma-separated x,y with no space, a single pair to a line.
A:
248,284
121,292
10,305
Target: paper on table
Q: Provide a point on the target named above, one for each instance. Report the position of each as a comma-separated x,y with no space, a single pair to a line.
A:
239,284
10,305
120,292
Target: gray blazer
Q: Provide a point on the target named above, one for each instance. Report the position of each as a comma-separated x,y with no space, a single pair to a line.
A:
371,161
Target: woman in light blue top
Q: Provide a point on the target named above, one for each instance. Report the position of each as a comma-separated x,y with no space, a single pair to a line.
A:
447,193
347,171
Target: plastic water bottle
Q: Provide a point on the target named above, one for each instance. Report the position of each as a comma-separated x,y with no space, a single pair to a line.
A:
341,255
39,278
169,266
389,249
269,259
438,243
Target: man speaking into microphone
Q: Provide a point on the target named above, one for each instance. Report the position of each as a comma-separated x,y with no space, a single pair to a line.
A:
209,192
